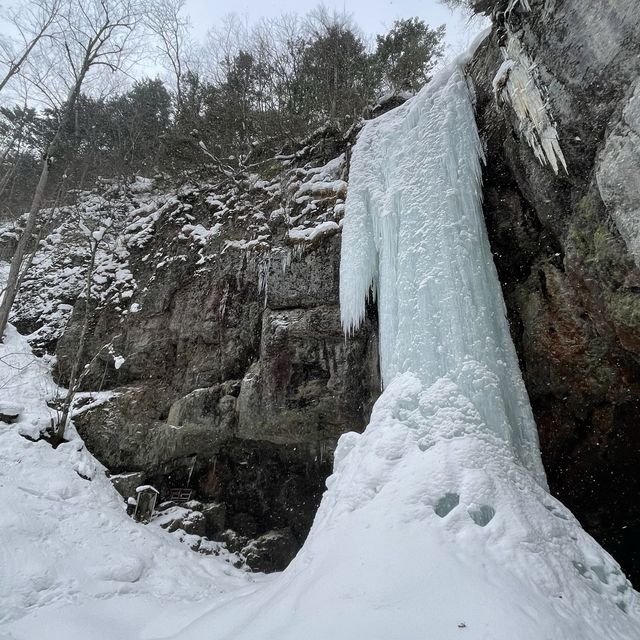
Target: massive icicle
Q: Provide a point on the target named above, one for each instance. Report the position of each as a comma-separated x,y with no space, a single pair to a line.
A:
436,524
414,231
517,83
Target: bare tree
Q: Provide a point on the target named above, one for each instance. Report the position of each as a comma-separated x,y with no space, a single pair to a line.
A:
170,27
93,33
224,43
94,238
32,21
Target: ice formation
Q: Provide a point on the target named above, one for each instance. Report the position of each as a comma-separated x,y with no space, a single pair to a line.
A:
516,83
515,3
437,523
414,232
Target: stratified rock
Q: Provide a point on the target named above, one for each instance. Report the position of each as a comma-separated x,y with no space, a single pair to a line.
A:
305,371
215,517
234,379
128,433
174,518
127,483
212,408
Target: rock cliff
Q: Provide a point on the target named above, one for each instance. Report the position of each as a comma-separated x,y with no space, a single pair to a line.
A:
215,342
566,244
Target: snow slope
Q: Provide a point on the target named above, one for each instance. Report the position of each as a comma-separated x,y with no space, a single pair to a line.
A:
73,565
437,523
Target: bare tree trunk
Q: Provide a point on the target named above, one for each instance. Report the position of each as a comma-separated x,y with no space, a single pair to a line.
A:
9,173
18,256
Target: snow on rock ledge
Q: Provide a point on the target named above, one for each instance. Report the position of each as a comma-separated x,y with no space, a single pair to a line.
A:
329,227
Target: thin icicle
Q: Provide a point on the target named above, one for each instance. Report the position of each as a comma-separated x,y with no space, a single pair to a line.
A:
514,3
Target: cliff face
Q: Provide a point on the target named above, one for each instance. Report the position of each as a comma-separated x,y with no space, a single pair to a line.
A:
566,243
215,331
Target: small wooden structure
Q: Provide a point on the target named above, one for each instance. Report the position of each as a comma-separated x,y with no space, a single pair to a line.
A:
145,503
180,494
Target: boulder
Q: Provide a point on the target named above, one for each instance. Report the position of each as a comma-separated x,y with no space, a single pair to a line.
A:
214,515
127,483
272,551
174,518
233,541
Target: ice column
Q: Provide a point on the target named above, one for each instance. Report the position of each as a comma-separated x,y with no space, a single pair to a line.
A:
414,236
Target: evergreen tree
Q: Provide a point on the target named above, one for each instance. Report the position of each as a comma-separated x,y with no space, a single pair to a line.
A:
335,80
407,54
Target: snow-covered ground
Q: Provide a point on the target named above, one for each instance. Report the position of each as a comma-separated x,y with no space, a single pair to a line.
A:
437,523
73,565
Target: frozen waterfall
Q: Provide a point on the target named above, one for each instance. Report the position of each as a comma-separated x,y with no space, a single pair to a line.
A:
414,232
436,524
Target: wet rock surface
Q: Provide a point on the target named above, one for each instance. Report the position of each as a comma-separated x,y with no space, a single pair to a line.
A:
564,245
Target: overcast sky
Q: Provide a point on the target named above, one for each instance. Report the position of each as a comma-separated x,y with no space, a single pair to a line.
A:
373,16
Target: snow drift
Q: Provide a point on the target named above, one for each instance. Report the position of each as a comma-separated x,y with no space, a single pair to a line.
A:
437,522
73,565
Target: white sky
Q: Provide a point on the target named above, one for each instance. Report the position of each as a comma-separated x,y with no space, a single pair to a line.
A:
372,16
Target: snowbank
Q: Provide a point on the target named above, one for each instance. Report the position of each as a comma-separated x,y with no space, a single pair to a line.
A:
73,565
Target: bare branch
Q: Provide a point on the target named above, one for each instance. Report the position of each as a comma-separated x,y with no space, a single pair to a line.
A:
40,16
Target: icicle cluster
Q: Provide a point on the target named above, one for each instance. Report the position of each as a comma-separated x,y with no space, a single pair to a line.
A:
514,3
516,84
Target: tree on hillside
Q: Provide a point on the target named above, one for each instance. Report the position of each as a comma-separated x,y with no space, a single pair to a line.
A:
287,43
140,119
335,79
407,54
237,101
20,133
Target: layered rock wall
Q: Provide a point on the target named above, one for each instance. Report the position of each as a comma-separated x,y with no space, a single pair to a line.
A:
226,365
